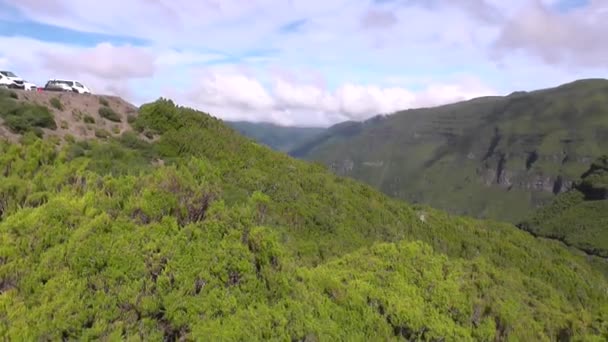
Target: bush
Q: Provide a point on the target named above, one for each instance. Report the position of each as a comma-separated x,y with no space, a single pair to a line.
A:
102,133
56,103
89,119
69,138
131,118
24,117
76,114
108,113
64,124
13,95
116,129
103,102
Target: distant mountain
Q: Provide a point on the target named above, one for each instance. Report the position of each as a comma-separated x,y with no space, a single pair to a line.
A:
281,138
578,217
493,157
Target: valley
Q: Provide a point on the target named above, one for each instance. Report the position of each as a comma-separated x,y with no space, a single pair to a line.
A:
492,157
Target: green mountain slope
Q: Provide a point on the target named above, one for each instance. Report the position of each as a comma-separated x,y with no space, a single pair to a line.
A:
197,233
280,138
496,157
578,217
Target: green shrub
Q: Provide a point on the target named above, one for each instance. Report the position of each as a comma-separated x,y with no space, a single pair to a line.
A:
24,117
108,113
69,138
13,95
103,102
102,133
76,114
89,119
64,124
116,129
56,103
131,118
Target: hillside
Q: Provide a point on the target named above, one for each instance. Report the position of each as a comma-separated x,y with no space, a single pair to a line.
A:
492,157
280,138
201,234
578,217
75,115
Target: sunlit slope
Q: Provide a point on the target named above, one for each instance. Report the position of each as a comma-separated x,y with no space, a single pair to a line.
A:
203,234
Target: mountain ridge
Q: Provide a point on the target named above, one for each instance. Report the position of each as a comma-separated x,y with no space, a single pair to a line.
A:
516,151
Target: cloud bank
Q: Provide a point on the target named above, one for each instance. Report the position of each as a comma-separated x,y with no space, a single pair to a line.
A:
306,62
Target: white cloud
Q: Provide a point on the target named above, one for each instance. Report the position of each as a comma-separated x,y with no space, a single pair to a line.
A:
232,95
575,38
231,90
103,61
345,70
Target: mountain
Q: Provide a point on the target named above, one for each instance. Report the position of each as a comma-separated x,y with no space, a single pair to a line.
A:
578,217
280,138
179,228
491,157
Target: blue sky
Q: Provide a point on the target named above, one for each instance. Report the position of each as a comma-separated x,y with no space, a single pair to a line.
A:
306,62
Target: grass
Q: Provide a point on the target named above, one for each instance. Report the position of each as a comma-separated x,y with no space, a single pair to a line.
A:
110,114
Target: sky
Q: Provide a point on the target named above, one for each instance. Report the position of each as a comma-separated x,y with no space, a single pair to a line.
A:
305,62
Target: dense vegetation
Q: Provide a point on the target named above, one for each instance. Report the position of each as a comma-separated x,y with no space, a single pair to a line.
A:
21,117
280,138
578,217
205,235
492,157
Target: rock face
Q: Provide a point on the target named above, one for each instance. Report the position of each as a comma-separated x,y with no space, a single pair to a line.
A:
497,157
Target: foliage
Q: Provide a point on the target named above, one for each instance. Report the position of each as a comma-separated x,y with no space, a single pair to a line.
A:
88,119
578,217
205,235
21,117
491,157
109,113
101,133
56,103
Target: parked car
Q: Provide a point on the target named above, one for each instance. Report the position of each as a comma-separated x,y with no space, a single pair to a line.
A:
66,85
8,79
29,85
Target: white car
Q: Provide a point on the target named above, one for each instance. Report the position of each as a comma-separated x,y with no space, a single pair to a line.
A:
67,85
29,85
10,80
